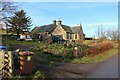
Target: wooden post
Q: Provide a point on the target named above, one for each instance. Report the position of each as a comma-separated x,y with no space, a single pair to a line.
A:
6,61
1,63
10,63
7,70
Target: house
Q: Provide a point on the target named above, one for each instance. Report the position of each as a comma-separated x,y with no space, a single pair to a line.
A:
5,33
43,32
65,32
78,33
25,37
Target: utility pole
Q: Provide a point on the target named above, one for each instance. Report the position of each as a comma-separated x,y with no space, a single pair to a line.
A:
98,31
101,30
94,32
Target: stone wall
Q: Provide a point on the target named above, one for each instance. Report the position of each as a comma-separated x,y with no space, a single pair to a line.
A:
60,31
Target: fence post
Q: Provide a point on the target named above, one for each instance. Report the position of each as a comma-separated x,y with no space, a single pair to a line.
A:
6,61
10,63
7,70
1,63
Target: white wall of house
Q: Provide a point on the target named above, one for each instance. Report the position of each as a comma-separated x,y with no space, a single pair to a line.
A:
25,37
22,36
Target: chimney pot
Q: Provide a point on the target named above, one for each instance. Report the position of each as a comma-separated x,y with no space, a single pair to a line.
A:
54,22
59,22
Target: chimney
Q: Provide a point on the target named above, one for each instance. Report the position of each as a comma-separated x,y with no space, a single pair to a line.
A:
59,22
80,25
54,22
81,28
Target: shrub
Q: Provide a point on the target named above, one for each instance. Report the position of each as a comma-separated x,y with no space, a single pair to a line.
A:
38,76
79,41
93,50
100,47
69,52
106,46
55,49
81,50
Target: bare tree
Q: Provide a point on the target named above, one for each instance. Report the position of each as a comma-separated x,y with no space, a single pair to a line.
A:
115,35
6,9
112,34
100,32
109,33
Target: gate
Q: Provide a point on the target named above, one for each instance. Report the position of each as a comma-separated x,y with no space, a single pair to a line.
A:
5,64
1,63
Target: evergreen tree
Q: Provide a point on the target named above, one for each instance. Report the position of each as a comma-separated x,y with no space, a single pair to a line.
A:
20,22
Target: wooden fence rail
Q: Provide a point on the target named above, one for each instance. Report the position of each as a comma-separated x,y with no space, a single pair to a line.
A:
6,64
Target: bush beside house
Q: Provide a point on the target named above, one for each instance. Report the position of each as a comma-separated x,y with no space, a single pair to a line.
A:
75,50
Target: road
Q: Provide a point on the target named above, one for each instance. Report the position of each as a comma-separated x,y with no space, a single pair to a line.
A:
107,69
66,70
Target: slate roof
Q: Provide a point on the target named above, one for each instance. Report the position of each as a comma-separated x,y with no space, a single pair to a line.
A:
77,29
45,28
50,27
35,30
67,28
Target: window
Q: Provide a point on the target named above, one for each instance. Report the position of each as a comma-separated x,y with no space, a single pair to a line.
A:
75,36
67,35
70,36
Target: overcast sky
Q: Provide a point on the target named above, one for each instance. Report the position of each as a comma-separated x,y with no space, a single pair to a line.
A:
90,14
